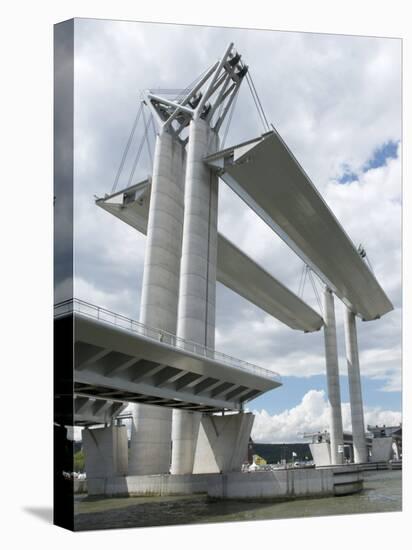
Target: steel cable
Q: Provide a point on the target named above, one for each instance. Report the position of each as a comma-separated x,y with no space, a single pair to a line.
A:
126,150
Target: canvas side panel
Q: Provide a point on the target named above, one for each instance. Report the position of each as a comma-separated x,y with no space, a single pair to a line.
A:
63,272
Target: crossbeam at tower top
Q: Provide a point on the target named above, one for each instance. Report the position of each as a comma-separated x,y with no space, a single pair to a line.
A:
210,98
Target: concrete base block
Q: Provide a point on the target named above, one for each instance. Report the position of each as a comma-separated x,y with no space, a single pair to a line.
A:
321,453
105,451
381,449
278,484
282,484
222,443
153,485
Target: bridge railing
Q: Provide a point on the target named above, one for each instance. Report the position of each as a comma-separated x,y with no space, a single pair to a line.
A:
106,316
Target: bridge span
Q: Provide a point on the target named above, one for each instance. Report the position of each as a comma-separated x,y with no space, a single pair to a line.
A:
117,358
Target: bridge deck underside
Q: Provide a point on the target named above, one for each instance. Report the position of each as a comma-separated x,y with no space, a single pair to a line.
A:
265,174
112,364
89,411
235,269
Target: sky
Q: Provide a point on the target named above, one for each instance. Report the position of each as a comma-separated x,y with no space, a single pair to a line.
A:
336,101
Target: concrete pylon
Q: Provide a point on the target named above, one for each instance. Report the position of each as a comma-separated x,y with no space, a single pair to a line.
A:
185,431
105,451
332,377
151,425
196,314
355,390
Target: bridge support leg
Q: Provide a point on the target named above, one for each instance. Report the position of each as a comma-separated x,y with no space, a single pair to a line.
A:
196,314
332,376
223,443
355,390
152,426
105,451
185,432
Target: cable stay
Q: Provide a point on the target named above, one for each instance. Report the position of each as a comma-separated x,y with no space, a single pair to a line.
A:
229,120
257,101
315,290
308,273
148,123
302,281
126,150
139,151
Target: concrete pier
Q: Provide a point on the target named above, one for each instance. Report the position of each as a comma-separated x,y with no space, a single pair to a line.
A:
332,376
355,390
185,432
282,484
196,313
105,451
152,426
222,443
197,295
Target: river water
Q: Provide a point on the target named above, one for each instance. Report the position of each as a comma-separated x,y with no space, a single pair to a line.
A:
382,493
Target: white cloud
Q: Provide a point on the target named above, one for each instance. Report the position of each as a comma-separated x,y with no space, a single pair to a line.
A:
118,302
334,99
311,415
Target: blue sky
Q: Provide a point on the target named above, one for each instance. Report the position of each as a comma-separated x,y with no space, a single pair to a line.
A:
291,393
388,150
338,132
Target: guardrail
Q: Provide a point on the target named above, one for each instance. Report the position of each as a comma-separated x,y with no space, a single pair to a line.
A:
104,315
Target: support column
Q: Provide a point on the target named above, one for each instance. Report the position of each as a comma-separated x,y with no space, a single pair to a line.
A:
223,442
355,390
105,451
151,425
332,376
196,314
185,432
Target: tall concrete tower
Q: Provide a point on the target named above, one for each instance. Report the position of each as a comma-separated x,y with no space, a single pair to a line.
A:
179,282
355,390
332,377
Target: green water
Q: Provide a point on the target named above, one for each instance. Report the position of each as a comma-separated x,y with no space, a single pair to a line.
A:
382,493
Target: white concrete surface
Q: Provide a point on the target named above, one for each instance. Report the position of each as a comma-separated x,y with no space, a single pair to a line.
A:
321,453
150,485
185,431
276,484
235,269
265,174
139,365
197,291
222,443
152,426
90,410
332,377
381,449
355,390
196,313
160,289
288,483
105,450
150,440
